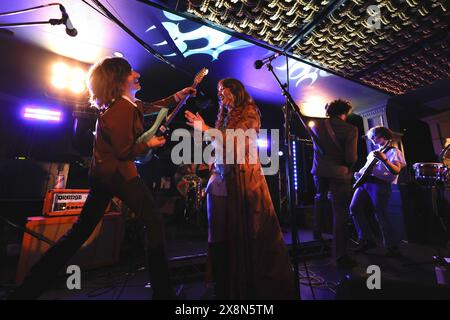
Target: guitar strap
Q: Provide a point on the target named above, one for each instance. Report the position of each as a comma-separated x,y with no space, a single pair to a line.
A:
332,135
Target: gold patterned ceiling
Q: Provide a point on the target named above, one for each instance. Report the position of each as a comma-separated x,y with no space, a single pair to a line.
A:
273,22
393,45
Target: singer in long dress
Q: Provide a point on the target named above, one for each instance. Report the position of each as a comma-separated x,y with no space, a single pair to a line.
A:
246,251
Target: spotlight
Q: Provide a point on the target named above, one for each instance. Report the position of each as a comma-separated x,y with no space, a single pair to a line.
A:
311,124
118,54
66,77
314,106
42,114
262,143
60,75
77,80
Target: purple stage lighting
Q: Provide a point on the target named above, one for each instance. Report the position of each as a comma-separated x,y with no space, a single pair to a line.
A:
262,143
42,114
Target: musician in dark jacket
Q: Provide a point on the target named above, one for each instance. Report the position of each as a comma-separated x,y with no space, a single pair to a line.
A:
376,191
333,173
113,84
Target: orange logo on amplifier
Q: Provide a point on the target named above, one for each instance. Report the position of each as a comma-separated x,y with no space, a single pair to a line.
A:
63,202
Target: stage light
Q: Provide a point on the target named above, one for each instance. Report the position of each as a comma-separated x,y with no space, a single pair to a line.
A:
67,77
118,54
262,143
77,83
294,164
311,124
280,153
314,107
77,87
60,75
42,114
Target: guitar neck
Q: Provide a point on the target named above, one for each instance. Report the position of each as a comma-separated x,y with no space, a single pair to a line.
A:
197,80
177,109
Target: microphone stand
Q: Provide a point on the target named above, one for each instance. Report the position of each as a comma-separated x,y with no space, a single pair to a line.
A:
149,49
290,101
290,107
53,22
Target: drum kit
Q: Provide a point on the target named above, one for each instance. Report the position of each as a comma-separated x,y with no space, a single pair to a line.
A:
433,178
434,173
191,186
430,173
195,195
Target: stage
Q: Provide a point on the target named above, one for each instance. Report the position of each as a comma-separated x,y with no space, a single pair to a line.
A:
344,103
410,277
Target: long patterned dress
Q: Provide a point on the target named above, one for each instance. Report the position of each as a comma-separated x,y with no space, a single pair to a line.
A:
258,260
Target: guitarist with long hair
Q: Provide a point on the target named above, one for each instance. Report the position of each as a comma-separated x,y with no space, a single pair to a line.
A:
112,84
373,187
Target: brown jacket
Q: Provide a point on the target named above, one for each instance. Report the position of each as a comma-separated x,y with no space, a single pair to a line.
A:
116,132
336,162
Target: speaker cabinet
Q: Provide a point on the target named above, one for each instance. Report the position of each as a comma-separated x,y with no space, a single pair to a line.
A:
101,249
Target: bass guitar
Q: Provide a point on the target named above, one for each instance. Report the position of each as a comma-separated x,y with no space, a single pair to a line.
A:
360,181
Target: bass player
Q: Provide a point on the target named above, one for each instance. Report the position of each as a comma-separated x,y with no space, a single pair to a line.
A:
376,191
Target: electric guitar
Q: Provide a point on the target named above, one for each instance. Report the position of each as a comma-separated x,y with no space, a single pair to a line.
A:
360,181
158,129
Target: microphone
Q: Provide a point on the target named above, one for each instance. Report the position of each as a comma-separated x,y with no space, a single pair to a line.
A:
70,30
259,63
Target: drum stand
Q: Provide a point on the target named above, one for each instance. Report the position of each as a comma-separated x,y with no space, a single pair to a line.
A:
436,188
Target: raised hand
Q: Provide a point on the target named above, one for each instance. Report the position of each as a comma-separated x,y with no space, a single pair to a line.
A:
183,93
192,118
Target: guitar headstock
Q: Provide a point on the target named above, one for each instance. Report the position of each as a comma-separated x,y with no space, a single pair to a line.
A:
199,76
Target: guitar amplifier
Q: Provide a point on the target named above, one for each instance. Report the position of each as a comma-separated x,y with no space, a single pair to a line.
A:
64,202
101,249
69,202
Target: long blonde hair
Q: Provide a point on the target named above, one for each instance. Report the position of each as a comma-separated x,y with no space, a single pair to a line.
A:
242,100
106,81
